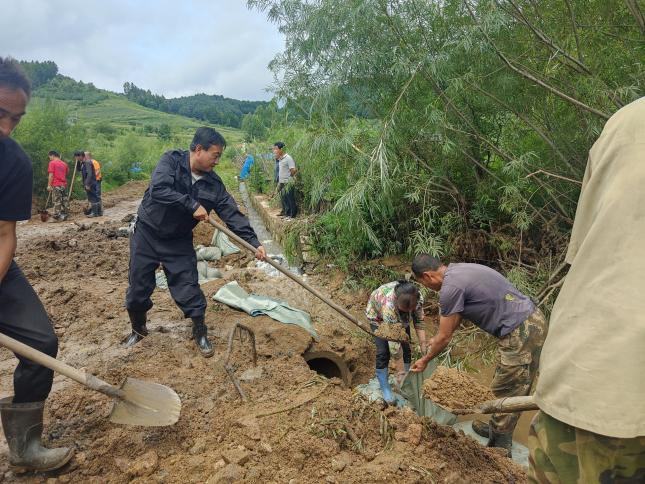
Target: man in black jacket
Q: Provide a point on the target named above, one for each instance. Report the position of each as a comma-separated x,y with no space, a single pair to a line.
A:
89,183
183,190
22,315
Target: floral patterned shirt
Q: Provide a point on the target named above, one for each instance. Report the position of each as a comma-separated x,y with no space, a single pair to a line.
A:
381,308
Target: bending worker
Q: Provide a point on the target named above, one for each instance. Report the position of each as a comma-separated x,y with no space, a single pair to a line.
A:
183,190
395,303
591,390
22,315
487,299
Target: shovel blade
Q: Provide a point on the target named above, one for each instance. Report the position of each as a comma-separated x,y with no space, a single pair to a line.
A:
146,403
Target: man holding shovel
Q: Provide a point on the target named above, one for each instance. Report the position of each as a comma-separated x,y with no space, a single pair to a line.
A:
183,190
22,315
485,297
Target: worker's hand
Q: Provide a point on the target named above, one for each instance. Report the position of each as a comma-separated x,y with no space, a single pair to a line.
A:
87,188
260,253
49,188
200,214
419,366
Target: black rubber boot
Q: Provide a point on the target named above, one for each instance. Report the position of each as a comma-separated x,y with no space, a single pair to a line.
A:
94,211
481,428
139,330
23,426
501,440
100,209
200,336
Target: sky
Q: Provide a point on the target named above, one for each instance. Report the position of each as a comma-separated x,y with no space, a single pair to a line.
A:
174,48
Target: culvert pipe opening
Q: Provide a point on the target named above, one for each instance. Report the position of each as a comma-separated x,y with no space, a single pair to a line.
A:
328,364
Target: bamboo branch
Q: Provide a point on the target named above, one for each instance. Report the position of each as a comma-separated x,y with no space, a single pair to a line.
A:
572,17
554,176
634,9
532,78
546,40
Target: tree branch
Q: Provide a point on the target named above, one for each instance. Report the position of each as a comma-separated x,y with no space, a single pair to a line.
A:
530,77
635,10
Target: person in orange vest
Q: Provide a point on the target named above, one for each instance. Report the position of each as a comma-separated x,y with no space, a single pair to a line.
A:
99,177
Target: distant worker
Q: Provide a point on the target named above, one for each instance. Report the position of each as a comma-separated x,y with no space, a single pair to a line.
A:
88,176
22,315
183,190
398,302
487,299
286,181
99,179
57,184
591,390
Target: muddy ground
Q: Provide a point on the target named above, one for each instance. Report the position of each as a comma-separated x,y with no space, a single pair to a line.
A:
297,427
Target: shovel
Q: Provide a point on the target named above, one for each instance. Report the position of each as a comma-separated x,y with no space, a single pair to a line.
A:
293,277
44,214
501,405
135,402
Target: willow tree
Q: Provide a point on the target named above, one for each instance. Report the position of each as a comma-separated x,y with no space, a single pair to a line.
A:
455,126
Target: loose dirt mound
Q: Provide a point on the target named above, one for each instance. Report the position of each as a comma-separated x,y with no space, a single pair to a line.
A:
295,424
453,389
392,332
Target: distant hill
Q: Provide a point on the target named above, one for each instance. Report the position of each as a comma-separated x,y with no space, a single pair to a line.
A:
212,108
205,109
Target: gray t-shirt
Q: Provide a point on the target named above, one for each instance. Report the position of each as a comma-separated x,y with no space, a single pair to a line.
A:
285,163
485,297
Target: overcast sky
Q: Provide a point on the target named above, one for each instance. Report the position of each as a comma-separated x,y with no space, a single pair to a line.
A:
171,47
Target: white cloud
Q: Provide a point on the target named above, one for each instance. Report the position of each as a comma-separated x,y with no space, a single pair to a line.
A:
172,48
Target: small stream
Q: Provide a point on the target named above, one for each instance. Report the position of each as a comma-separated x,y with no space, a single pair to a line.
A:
273,248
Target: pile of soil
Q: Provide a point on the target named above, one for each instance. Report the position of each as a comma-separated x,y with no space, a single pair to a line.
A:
391,332
453,389
296,426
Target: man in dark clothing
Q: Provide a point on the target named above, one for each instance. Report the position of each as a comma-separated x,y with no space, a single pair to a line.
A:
22,315
88,175
487,299
183,190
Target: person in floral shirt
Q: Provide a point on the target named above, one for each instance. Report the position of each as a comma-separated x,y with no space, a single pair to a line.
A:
396,302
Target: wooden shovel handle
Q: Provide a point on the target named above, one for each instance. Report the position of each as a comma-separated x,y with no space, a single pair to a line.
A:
71,185
81,377
291,276
501,405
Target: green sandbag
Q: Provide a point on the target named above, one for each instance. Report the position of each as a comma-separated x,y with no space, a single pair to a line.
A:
412,390
208,253
233,295
221,240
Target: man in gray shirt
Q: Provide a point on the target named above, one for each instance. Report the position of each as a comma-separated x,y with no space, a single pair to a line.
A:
286,180
487,299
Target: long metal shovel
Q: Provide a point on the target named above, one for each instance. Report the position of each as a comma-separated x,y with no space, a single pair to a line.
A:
293,277
135,402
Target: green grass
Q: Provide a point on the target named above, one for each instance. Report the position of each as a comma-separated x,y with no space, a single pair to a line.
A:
123,114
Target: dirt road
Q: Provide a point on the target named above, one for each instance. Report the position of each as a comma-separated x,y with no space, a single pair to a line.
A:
297,426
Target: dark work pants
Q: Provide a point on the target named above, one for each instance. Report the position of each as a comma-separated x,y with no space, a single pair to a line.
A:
383,350
288,199
179,262
91,195
98,190
23,317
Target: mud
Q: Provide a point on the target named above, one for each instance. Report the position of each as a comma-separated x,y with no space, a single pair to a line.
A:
392,332
453,389
297,425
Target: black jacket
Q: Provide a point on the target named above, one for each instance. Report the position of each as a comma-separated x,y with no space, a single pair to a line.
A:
89,177
171,199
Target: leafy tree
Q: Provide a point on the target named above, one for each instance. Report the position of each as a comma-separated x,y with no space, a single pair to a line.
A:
459,127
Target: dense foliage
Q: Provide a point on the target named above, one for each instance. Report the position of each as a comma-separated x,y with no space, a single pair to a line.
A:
458,127
211,108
